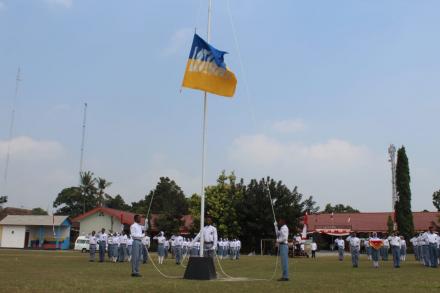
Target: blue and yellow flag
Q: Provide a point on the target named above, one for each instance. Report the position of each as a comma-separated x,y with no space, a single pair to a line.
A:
207,71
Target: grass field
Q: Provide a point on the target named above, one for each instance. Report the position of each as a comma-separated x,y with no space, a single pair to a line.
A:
56,271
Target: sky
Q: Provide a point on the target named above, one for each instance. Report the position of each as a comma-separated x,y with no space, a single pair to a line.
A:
324,87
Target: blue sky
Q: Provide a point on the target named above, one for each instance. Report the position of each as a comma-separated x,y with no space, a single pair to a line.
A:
330,85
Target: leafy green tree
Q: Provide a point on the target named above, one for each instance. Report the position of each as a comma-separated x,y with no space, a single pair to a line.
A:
339,208
116,202
390,225
39,211
168,201
404,217
436,200
70,201
3,200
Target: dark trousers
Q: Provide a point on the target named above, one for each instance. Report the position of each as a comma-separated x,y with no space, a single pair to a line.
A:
101,251
395,250
144,254
313,253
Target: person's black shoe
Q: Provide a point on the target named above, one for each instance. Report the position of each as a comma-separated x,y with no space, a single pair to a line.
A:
136,275
144,262
283,279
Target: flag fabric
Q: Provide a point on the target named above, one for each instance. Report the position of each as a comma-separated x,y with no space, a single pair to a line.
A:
206,70
376,244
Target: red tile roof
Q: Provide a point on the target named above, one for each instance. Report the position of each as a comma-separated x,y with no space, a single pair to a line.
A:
125,217
367,222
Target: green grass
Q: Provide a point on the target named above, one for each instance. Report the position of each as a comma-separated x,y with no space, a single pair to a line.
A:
55,271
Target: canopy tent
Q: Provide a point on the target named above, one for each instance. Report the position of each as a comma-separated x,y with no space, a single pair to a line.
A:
334,232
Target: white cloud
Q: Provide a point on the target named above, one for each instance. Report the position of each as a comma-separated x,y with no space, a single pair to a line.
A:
289,126
335,171
38,170
27,148
64,3
179,41
262,150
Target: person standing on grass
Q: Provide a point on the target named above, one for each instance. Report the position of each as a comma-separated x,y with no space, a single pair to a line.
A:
110,245
340,245
314,247
367,247
376,244
145,248
92,245
160,246
402,248
385,248
136,248
433,242
282,239
210,238
177,244
355,247
115,247
102,241
425,249
129,246
122,247
394,240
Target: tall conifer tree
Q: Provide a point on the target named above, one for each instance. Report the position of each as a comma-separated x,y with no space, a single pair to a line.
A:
404,217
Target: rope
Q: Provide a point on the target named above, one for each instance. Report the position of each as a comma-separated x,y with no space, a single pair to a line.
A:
160,272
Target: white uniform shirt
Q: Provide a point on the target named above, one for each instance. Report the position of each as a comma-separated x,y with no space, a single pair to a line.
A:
386,243
110,239
402,243
102,237
340,243
432,238
160,239
136,231
146,241
178,241
354,242
314,246
209,235
123,239
282,234
116,240
92,239
394,240
129,241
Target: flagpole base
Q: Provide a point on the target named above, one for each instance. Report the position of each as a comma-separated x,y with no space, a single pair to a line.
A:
200,268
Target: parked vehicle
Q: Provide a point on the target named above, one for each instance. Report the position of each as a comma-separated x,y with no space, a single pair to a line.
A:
82,244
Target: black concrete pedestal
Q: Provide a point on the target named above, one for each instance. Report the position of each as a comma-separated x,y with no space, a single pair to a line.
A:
200,268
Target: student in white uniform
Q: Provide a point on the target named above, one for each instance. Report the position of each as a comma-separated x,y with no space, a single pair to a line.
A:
102,241
394,241
375,252
137,235
282,240
110,245
92,243
160,246
314,248
385,248
355,248
209,238
122,247
115,247
340,245
402,248
424,241
433,249
129,246
145,248
178,243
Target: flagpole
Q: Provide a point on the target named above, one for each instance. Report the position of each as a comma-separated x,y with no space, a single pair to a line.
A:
205,112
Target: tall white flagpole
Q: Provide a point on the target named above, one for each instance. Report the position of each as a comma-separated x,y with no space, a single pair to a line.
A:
205,110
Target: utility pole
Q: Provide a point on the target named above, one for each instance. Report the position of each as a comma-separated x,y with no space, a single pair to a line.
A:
394,197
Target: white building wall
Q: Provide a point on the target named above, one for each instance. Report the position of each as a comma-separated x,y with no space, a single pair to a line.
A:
13,236
98,221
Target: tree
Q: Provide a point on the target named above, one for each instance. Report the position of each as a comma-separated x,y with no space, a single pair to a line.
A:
116,202
339,208
436,200
255,212
3,200
390,225
168,200
71,201
87,189
102,185
404,217
39,211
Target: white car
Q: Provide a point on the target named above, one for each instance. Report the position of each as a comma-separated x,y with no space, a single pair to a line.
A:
82,244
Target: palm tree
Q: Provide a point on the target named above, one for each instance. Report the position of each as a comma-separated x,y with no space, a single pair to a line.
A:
102,184
87,186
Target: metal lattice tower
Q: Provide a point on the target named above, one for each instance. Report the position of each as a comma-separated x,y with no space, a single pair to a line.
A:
392,160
